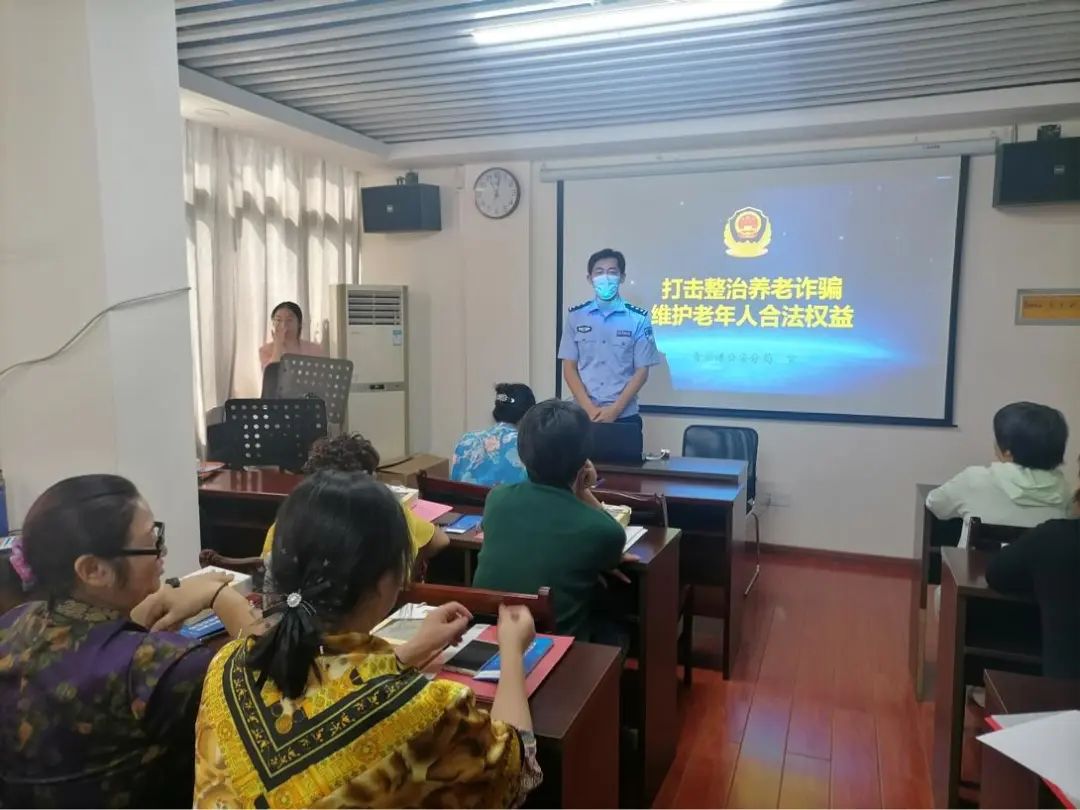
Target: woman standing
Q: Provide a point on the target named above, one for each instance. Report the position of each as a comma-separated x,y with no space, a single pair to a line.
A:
286,325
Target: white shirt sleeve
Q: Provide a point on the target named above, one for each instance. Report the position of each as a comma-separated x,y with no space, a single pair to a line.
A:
947,501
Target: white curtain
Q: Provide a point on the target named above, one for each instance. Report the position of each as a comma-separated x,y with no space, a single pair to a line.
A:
264,225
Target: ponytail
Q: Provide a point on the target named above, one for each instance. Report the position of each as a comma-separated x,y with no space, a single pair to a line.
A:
337,535
287,652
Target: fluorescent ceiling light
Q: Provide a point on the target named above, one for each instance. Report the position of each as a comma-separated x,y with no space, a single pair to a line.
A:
541,5
620,19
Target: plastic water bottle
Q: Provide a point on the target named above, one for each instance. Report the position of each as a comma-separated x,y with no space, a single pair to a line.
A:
3,507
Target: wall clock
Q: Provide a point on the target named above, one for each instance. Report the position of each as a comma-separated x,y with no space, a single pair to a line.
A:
497,193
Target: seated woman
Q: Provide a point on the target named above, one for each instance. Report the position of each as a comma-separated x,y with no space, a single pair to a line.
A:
490,457
319,713
97,710
286,325
351,452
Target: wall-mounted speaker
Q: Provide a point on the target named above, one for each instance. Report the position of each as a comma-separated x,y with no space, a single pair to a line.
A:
1046,171
401,208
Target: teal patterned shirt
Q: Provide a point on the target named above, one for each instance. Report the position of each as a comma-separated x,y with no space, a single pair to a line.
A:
488,457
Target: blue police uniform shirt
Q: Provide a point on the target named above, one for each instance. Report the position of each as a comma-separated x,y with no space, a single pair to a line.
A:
609,345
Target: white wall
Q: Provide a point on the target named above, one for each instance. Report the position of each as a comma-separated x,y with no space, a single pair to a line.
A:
468,305
845,487
91,213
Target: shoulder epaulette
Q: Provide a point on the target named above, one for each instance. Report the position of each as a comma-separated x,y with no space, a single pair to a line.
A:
638,310
576,307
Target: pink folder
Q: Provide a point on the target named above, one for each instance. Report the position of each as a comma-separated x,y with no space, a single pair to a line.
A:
485,690
429,510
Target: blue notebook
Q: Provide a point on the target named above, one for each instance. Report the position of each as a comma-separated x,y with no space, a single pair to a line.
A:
204,628
465,523
537,650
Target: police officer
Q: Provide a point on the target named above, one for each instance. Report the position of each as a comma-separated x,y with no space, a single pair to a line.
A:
607,346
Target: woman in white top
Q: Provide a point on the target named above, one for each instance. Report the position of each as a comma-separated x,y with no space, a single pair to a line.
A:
286,323
1025,486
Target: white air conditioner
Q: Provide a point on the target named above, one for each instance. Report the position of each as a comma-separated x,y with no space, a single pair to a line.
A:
372,331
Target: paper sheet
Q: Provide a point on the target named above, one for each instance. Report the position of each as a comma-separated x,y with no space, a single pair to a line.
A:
413,611
633,534
1009,720
1048,746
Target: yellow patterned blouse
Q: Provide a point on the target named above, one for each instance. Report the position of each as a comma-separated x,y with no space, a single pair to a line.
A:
368,732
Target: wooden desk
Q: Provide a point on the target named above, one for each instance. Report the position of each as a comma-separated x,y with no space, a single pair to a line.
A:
980,629
655,575
711,512
1006,783
576,720
236,507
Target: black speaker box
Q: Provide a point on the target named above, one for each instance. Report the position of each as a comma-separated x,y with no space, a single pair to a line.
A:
1045,171
412,207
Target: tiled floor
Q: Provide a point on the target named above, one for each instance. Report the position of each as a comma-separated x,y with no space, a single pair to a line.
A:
820,712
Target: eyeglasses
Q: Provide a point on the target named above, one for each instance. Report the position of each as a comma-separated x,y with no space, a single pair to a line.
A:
157,551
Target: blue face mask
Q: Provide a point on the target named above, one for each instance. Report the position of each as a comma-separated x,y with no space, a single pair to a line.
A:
607,287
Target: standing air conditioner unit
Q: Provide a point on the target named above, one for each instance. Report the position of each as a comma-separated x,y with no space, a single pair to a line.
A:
371,330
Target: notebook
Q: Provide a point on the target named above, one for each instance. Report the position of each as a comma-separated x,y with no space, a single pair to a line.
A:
541,646
203,628
463,524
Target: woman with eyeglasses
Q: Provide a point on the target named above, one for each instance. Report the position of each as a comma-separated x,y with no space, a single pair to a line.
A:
98,697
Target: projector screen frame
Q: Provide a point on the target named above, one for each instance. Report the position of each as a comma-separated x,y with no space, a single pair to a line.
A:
946,421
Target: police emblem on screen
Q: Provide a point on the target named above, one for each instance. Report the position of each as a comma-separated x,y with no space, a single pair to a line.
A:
747,234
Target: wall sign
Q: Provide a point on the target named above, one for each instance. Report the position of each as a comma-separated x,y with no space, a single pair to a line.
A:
1048,307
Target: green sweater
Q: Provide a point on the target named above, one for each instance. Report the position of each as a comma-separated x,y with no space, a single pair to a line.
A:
537,536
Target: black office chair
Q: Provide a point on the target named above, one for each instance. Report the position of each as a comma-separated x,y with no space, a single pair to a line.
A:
717,441
271,382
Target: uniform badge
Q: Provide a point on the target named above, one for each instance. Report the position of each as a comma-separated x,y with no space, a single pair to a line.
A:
584,328
624,333
747,234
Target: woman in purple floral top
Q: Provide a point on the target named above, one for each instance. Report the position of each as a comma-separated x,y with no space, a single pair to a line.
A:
96,710
490,457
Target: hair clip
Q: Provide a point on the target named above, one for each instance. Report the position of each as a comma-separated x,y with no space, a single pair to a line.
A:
20,565
504,398
293,600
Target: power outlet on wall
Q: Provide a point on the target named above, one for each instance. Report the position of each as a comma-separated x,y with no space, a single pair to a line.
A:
775,497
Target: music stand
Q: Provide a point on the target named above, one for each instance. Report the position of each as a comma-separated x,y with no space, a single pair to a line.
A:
327,378
276,432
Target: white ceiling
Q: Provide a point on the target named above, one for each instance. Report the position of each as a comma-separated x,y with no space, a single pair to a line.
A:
407,71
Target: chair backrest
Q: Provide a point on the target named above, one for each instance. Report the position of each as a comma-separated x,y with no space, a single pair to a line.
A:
645,510
271,381
253,566
720,441
451,493
992,536
484,603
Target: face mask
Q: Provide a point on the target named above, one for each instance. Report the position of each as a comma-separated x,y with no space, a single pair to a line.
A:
607,287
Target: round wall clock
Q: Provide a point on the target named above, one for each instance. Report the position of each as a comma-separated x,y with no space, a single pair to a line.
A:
497,193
